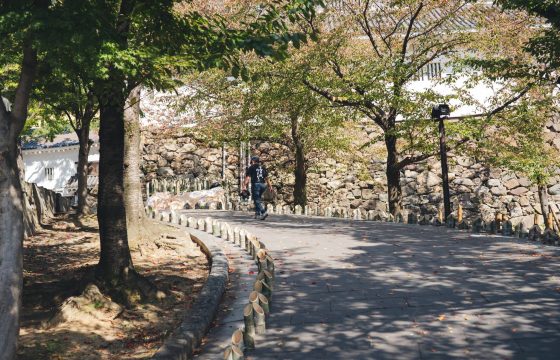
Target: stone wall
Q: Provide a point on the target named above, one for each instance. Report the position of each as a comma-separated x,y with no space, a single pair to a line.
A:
352,183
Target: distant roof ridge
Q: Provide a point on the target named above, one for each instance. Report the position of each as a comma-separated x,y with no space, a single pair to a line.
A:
60,140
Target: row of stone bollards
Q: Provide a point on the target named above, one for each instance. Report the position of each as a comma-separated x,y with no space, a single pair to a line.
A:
257,310
178,185
500,225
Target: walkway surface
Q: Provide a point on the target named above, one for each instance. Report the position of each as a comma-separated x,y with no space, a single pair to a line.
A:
367,290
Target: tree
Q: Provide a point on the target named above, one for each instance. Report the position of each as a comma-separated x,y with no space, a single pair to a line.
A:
134,204
132,43
282,109
119,45
515,140
66,94
11,211
529,59
21,22
274,106
374,50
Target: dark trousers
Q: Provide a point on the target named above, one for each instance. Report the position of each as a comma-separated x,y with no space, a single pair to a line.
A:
257,189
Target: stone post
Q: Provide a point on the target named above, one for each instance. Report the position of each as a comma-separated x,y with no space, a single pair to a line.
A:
521,231
174,217
270,208
208,225
507,228
535,233
451,222
242,238
236,235
424,220
216,228
477,226
297,210
412,218
357,214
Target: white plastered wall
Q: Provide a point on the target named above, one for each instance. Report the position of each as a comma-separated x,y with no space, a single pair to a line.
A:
62,160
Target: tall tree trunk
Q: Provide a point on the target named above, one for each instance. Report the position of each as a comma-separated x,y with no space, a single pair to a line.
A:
394,191
82,170
115,259
11,240
134,204
11,209
115,268
300,171
543,199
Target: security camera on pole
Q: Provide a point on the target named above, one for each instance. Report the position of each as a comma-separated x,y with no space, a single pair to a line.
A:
441,112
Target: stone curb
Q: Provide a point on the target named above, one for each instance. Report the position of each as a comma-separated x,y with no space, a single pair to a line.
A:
187,337
255,323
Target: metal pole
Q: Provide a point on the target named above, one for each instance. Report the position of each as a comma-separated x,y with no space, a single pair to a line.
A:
444,169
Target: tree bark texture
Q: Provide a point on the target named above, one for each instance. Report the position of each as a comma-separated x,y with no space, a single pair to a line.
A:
11,208
300,171
393,172
134,203
115,261
81,125
82,170
11,235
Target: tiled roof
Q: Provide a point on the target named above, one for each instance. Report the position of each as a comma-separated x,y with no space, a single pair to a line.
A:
61,140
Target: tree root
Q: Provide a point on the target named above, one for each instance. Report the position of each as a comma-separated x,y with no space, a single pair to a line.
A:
130,288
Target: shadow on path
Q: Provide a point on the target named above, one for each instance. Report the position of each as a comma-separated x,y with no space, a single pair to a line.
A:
366,290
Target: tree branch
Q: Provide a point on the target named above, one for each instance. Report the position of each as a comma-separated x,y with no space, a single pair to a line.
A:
409,160
357,104
409,30
19,112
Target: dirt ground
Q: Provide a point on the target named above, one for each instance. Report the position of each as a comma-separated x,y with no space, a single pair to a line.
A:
58,323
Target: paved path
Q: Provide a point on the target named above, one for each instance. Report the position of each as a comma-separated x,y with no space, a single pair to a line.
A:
368,290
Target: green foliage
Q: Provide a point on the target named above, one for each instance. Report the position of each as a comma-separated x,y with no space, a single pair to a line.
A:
546,46
371,55
43,125
150,42
274,106
515,139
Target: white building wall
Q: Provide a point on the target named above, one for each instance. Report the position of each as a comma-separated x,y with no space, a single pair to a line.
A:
61,160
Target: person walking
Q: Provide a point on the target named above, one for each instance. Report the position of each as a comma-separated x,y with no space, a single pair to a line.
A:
258,176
